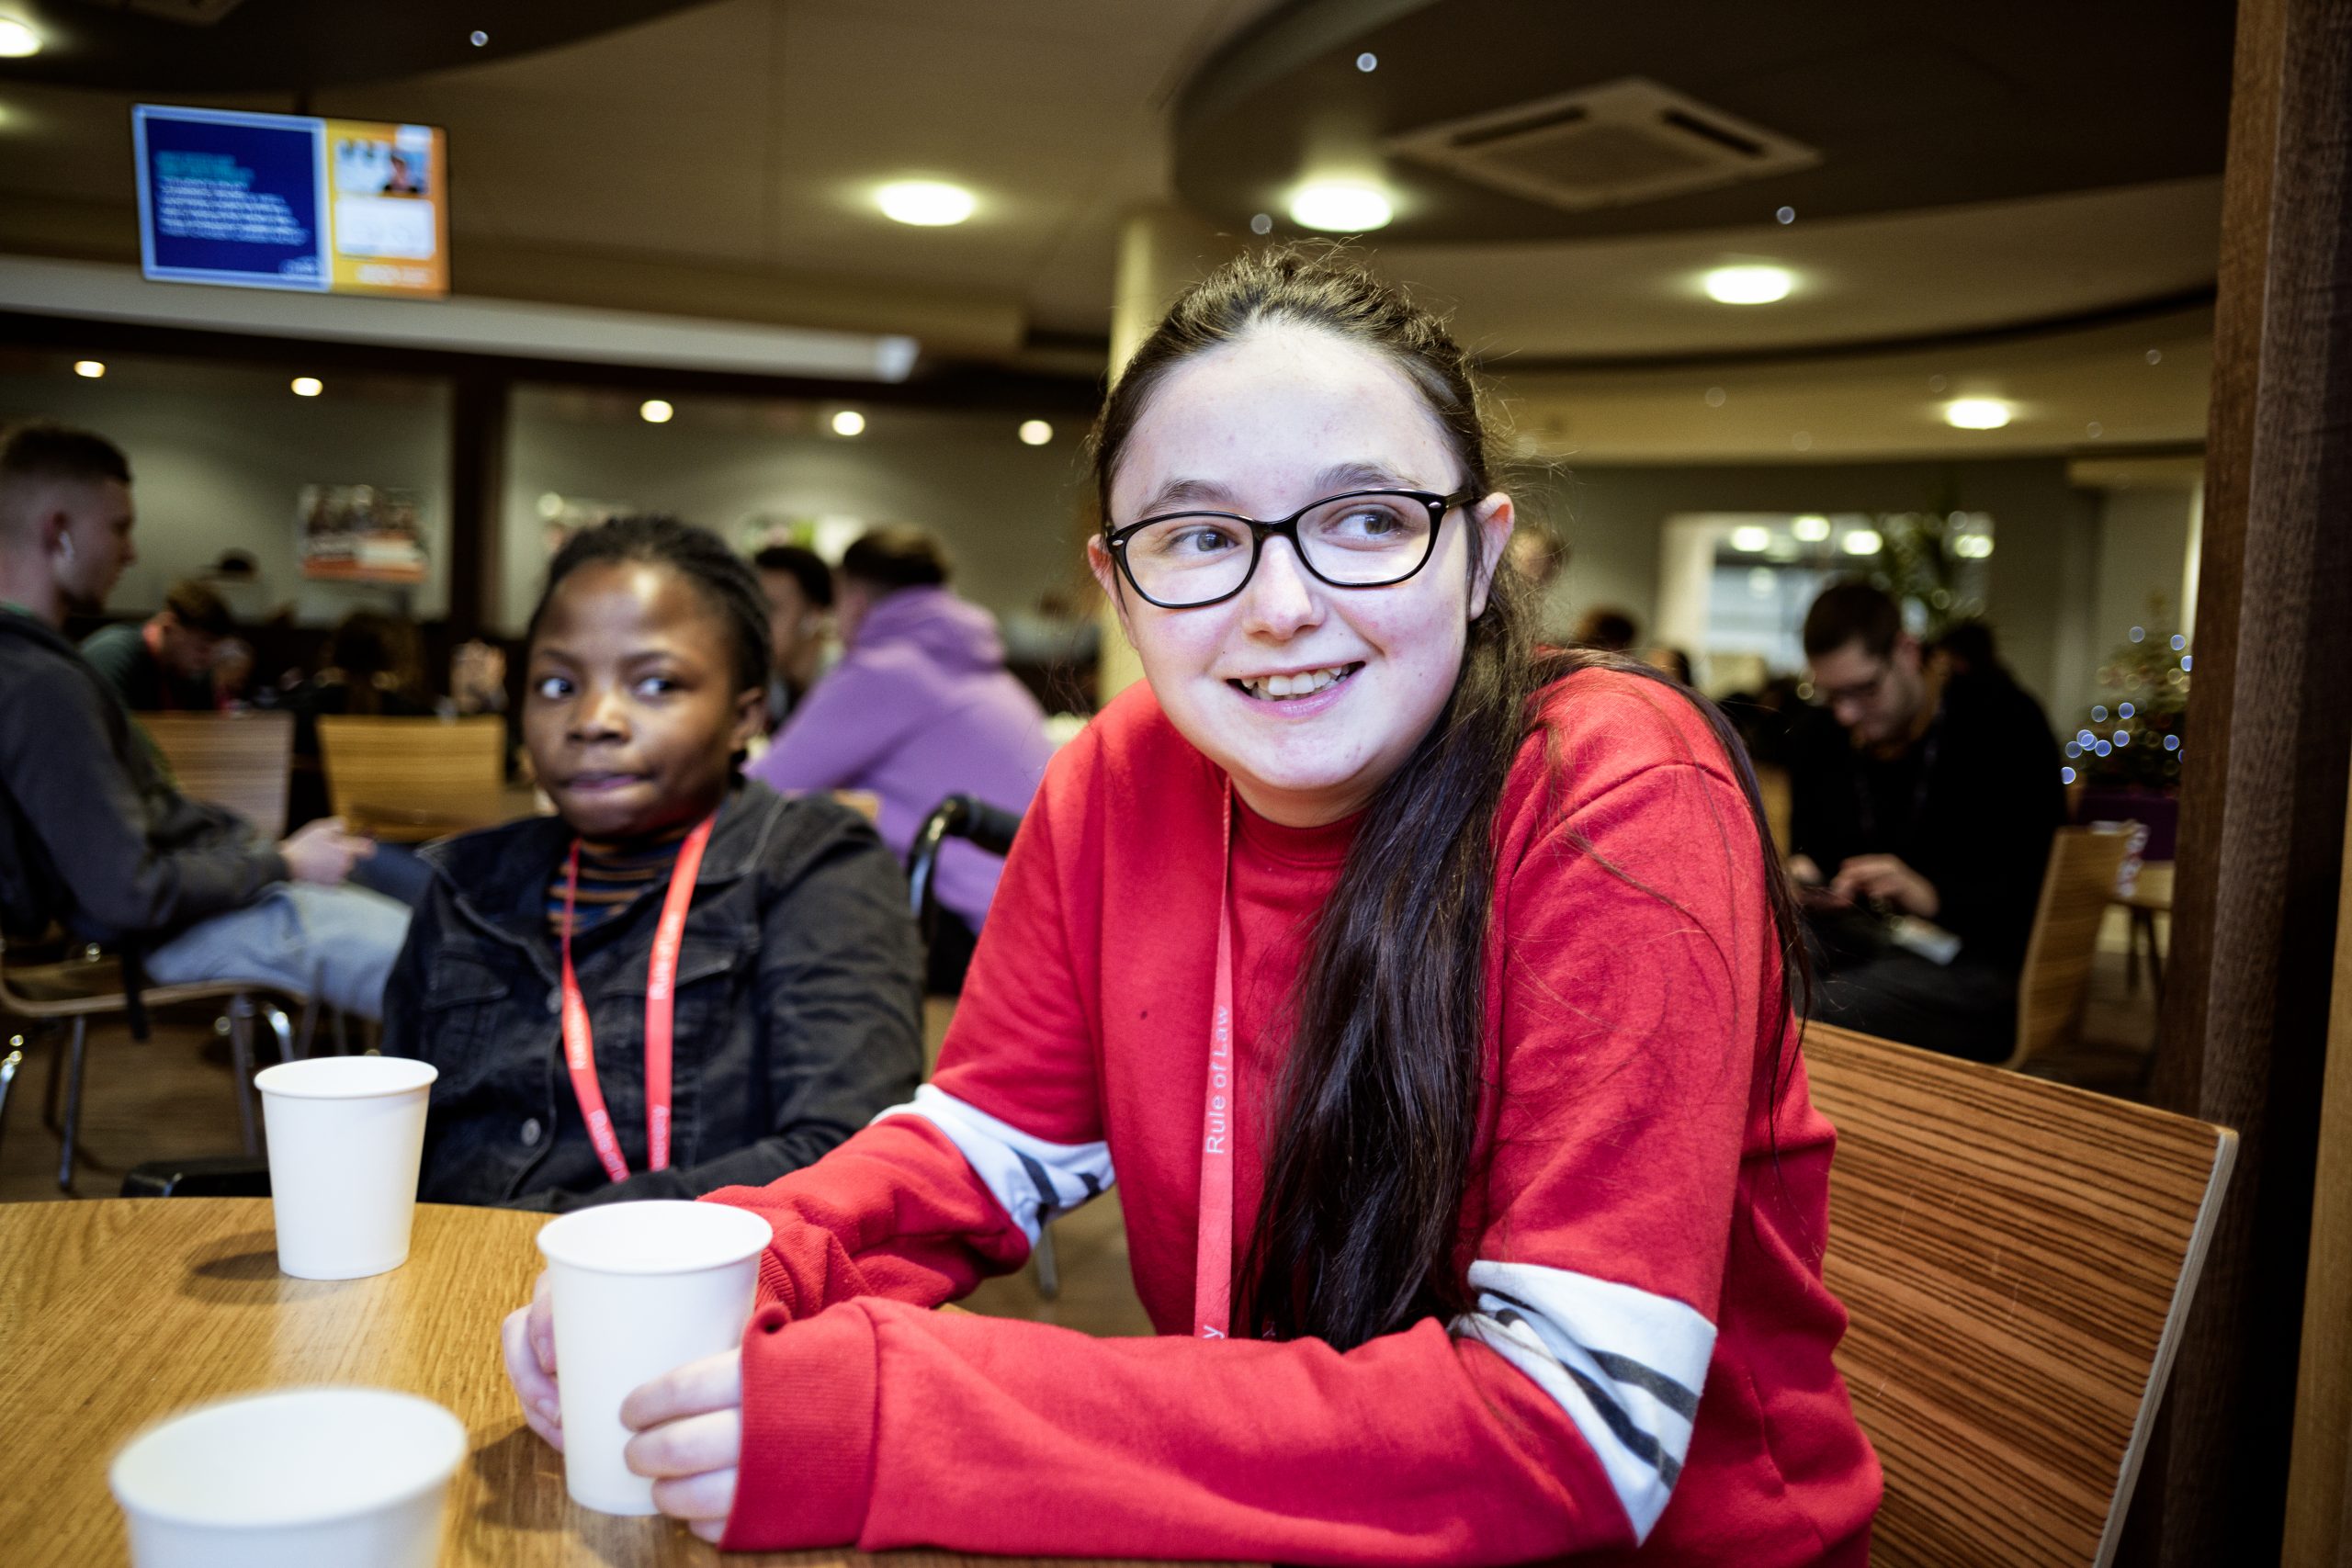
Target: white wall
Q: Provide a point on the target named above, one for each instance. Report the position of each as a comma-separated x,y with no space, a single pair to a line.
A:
2143,546
1007,513
218,455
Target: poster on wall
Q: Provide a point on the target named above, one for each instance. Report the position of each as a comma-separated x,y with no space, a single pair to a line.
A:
359,534
291,202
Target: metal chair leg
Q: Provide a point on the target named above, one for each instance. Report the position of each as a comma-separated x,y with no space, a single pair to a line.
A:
8,1066
50,1100
72,1125
275,1015
1050,1278
241,1057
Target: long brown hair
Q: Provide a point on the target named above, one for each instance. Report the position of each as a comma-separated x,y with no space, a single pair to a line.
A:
1377,1106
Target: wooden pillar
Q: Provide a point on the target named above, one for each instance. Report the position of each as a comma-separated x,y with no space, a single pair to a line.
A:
2269,739
1162,252
476,496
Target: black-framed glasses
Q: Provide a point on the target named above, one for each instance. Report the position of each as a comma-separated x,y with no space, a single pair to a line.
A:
1365,538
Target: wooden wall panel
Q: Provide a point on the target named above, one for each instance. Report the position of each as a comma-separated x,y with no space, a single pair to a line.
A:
2270,738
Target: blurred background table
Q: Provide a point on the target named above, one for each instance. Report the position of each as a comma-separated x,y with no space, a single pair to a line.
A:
117,1312
2150,895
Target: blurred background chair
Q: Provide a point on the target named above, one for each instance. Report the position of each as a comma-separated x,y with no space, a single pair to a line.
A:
2077,889
69,992
2017,1259
239,762
409,778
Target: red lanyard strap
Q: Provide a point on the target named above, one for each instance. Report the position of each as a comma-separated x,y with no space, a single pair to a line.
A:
1212,1265
660,1005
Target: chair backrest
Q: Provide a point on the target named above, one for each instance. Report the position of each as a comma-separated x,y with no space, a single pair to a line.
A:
2077,889
237,761
2016,1258
387,762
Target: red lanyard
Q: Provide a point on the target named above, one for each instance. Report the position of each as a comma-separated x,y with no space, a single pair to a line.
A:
1212,1265
661,1003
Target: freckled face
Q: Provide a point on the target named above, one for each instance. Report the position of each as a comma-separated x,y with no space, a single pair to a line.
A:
632,716
1262,427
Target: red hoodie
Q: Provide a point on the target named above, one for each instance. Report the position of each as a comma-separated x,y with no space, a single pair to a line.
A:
1648,1359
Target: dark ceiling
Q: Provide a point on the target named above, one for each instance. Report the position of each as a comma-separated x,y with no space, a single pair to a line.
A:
237,46
1910,105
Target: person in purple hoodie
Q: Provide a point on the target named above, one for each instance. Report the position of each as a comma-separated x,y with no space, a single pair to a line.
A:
920,707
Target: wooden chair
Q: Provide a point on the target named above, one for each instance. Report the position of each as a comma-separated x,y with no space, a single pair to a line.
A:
238,760
2016,1257
2075,891
393,762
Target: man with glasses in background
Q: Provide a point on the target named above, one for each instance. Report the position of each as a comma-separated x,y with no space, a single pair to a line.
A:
1922,821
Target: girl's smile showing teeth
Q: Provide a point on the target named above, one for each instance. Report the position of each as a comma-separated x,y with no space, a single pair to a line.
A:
1303,683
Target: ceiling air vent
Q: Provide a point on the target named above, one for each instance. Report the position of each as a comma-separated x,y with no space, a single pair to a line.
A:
1612,145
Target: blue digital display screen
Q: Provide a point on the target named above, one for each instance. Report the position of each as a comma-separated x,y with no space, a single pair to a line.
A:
229,198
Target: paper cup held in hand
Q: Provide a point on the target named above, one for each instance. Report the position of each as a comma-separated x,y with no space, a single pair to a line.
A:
346,1134
640,1290
352,1476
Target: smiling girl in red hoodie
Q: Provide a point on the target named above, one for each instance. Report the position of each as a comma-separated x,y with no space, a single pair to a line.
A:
1428,997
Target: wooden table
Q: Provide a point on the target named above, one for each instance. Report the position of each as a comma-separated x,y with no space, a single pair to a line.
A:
438,812
113,1313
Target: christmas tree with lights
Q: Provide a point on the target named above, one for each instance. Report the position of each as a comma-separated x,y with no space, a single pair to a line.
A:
2133,739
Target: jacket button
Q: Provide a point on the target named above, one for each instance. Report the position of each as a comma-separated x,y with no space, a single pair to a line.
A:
531,1133
555,998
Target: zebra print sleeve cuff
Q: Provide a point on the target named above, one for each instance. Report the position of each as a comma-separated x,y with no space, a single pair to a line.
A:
1625,1366
1033,1178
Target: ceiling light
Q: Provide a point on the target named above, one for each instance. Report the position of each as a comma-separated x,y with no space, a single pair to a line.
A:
308,386
926,204
17,41
1812,530
1747,285
1861,542
1976,414
1036,432
849,422
1973,546
89,370
1750,538
1340,207
653,410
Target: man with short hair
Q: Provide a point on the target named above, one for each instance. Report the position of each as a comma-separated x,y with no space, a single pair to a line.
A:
799,589
91,836
1924,814
920,707
164,663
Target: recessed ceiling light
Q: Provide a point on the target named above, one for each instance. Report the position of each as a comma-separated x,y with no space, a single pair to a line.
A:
1861,542
1751,538
17,41
307,386
849,422
1747,285
1976,414
653,410
89,370
1340,207
1973,546
926,204
1812,530
1036,432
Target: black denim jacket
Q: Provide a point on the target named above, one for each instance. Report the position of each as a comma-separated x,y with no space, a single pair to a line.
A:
798,1008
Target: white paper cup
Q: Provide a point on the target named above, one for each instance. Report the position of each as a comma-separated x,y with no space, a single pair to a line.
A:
640,1290
346,1134
357,1477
